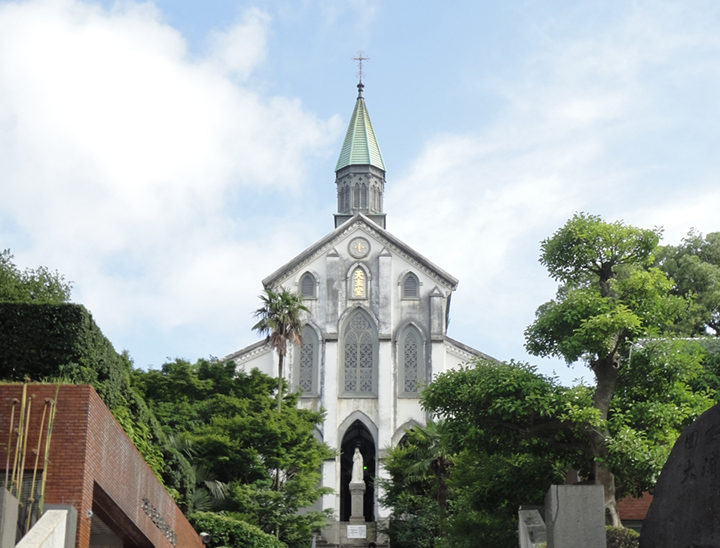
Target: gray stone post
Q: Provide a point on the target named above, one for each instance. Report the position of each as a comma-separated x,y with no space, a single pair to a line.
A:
357,506
8,519
575,516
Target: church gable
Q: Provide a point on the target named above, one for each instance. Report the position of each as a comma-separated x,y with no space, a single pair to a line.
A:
347,242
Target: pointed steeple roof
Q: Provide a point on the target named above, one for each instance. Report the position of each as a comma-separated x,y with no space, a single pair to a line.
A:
360,146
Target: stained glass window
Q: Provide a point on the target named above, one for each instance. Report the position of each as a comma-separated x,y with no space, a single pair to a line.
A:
359,356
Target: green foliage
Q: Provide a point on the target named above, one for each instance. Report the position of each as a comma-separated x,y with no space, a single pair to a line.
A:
483,490
232,533
279,318
50,341
610,297
694,266
39,285
620,537
656,397
515,431
587,245
226,421
500,405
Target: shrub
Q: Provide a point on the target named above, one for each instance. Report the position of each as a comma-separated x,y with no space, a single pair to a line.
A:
232,533
621,537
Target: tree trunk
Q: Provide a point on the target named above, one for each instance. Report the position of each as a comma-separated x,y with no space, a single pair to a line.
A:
442,500
606,374
281,358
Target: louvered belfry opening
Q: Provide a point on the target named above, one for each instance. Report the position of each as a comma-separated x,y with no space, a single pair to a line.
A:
307,285
410,286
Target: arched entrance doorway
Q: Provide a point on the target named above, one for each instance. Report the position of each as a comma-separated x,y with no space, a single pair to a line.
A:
357,436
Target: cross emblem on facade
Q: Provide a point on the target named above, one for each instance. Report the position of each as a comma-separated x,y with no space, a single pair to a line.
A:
359,247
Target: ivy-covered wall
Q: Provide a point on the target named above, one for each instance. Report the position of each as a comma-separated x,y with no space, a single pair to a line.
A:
50,342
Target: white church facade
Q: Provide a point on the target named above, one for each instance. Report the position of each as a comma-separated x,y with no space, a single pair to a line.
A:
376,331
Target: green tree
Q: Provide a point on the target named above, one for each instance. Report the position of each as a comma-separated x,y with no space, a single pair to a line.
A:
523,430
429,453
481,491
610,296
227,422
414,519
39,285
694,266
279,320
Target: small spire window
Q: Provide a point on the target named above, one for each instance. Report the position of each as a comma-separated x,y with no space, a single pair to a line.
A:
364,196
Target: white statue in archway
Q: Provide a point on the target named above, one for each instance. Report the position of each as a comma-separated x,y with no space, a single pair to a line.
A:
357,469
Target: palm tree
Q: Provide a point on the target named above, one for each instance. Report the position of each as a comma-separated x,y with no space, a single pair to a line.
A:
279,320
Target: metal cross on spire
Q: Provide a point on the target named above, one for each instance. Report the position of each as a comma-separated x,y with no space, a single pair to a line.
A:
360,60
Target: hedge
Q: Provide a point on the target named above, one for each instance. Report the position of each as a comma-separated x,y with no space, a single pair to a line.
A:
232,533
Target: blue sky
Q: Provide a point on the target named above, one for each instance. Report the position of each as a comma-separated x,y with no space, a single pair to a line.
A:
167,156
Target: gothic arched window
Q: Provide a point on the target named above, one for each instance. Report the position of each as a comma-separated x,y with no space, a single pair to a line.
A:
359,355
346,199
307,285
411,287
356,196
306,362
412,361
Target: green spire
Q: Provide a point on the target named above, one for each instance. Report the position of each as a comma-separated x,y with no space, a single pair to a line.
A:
360,146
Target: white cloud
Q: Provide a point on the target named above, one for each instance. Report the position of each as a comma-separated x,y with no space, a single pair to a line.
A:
585,123
119,155
240,48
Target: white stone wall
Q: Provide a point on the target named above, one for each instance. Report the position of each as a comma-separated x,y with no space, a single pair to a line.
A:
48,532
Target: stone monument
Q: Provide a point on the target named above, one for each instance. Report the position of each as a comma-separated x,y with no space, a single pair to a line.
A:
357,489
685,510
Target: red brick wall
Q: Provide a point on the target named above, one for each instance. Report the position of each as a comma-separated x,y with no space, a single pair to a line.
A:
634,509
89,447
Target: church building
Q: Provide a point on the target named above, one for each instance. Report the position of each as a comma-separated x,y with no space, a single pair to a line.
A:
376,332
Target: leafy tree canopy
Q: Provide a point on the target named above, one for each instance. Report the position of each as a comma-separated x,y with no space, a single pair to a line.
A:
610,296
445,490
227,423
521,430
694,266
39,285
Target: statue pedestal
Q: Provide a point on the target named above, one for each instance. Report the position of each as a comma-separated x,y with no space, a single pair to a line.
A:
357,495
